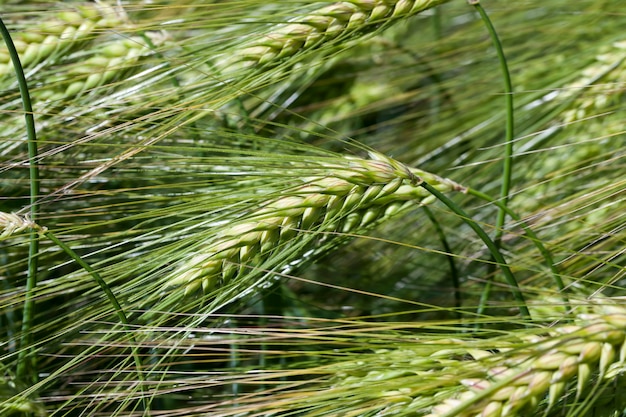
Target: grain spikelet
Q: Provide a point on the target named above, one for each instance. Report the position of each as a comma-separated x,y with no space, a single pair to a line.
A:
105,65
520,375
11,223
53,38
515,384
328,23
349,197
108,62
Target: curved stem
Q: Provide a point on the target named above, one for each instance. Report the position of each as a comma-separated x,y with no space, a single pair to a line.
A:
510,121
508,144
453,271
25,356
119,311
531,235
493,249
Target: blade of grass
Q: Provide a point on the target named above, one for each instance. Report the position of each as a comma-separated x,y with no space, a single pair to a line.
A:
26,357
508,140
531,234
453,270
119,311
493,249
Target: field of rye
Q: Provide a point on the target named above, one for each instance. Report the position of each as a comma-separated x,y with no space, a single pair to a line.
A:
313,208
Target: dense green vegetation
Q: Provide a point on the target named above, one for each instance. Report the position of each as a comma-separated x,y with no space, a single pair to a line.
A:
281,208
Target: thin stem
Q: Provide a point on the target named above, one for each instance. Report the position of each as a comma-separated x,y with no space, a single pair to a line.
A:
532,236
453,271
119,311
510,122
508,144
485,294
493,249
33,251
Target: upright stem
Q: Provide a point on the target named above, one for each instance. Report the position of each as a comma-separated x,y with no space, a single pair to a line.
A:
510,122
26,353
508,141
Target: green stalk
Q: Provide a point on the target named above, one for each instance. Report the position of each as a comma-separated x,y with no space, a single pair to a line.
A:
531,234
233,361
508,144
493,248
547,256
453,271
119,311
484,296
510,121
31,283
26,354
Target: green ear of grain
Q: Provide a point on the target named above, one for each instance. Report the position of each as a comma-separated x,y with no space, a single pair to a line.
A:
594,347
349,197
52,39
337,21
513,376
108,63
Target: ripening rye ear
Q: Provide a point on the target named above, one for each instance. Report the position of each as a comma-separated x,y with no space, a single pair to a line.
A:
83,49
435,374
